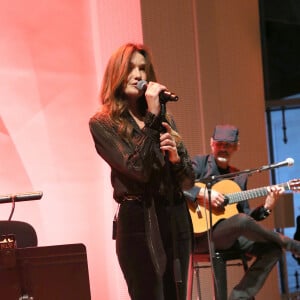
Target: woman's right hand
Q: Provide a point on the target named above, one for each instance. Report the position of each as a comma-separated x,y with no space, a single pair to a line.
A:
152,96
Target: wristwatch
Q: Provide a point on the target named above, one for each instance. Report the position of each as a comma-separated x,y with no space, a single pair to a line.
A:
267,212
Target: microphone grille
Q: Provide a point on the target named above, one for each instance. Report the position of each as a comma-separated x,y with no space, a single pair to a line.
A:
141,85
290,161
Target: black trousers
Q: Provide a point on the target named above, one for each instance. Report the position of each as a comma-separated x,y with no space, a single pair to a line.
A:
133,253
266,245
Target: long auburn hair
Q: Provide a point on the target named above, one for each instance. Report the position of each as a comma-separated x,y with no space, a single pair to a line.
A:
113,99
114,81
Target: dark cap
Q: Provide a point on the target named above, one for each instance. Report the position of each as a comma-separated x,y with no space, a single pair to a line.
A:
226,133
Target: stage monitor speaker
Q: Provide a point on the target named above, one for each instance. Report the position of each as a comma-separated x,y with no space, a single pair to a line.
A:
284,211
44,273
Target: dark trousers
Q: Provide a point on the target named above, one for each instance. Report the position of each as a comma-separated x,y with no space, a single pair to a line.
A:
134,257
252,238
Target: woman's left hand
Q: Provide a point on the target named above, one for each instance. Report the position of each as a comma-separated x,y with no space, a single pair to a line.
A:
168,143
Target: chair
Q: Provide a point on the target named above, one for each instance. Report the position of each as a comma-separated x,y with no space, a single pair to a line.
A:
25,235
221,261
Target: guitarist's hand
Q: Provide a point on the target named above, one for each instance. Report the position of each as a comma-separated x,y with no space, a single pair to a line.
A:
217,199
274,194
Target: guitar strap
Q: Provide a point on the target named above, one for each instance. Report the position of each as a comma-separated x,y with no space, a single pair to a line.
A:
203,167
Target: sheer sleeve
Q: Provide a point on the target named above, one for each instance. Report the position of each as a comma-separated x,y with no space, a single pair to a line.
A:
138,159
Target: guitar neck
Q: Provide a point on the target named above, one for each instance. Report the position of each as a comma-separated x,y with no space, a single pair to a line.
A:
251,194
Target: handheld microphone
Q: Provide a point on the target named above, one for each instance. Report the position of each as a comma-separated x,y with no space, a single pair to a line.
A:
164,96
288,162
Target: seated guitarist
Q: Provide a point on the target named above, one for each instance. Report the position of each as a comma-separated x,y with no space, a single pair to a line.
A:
241,228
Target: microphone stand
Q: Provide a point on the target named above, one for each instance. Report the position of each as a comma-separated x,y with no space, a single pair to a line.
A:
209,181
211,248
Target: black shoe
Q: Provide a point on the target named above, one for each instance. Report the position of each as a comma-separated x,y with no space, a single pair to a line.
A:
294,247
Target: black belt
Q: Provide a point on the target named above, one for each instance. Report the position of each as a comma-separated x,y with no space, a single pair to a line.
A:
179,199
132,198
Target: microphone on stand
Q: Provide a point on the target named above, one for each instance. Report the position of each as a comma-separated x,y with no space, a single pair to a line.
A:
288,162
164,96
21,197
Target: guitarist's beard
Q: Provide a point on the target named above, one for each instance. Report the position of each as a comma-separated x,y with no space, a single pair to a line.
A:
222,159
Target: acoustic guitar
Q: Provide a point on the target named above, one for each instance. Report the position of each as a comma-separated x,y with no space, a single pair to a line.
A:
199,210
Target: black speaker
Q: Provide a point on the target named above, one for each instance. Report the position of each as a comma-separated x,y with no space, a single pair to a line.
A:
280,39
45,273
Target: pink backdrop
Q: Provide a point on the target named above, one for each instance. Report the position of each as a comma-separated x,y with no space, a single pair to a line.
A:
52,56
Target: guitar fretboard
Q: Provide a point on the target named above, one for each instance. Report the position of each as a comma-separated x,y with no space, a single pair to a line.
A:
250,194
